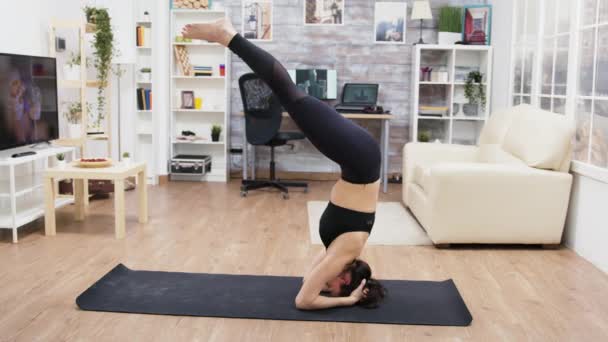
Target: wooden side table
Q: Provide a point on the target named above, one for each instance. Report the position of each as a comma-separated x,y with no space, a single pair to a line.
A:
117,173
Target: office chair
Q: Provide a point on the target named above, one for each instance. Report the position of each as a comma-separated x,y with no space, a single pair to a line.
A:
263,116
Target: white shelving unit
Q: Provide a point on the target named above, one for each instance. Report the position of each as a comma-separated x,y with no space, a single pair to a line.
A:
21,190
457,126
146,121
213,90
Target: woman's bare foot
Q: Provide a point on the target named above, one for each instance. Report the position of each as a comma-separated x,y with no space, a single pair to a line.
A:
217,31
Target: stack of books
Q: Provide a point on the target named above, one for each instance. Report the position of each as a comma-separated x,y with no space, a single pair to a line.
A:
201,70
144,99
143,37
432,111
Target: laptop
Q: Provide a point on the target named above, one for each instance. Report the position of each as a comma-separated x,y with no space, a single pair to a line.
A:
357,96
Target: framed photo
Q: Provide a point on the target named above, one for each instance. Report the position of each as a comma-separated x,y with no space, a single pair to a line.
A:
187,99
323,12
257,20
389,22
477,24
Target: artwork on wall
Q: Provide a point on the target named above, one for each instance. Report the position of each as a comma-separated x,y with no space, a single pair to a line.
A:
257,20
323,12
319,83
389,22
187,99
477,24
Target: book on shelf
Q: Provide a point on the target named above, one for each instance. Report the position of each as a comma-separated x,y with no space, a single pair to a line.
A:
144,99
143,36
202,70
432,110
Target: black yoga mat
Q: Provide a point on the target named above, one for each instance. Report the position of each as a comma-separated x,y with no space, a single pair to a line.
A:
265,297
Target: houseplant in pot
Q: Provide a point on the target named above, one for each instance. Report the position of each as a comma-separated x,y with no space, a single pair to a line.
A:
474,91
450,25
71,69
145,74
126,158
73,115
215,132
60,160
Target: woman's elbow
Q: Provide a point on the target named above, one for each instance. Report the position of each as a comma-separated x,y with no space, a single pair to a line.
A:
303,303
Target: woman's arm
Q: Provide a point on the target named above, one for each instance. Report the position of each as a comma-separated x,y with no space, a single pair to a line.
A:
329,268
315,262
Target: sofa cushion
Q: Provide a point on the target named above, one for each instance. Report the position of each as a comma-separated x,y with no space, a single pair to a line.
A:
494,154
421,175
496,127
539,138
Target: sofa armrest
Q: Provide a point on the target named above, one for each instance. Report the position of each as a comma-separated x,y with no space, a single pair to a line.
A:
429,153
475,196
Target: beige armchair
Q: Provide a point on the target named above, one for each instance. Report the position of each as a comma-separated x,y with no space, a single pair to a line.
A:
512,188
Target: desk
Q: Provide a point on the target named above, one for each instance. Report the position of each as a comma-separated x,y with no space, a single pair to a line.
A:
117,173
385,118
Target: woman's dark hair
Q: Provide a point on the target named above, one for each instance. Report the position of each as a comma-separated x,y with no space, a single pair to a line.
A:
360,270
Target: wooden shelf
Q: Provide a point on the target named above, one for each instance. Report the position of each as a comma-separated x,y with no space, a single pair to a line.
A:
97,137
77,84
198,142
197,110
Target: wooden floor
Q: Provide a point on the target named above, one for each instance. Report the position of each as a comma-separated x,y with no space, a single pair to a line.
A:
513,293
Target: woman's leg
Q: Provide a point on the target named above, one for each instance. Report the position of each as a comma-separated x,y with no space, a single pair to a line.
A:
338,138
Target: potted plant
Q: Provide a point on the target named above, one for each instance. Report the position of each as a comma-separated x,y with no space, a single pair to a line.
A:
450,25
126,158
215,132
60,160
424,136
73,115
71,69
145,74
103,42
474,91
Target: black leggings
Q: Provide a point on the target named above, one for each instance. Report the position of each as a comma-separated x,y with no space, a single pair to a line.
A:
338,138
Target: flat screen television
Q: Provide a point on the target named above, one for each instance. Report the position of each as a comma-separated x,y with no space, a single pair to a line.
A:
28,100
319,83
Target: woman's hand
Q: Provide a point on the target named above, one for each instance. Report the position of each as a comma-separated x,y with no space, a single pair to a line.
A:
359,293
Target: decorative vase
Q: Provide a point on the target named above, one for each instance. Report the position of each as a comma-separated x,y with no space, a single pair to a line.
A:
71,72
470,109
61,164
126,161
74,130
449,38
215,137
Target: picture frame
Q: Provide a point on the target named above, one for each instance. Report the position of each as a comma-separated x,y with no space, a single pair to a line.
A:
477,24
257,20
323,12
390,22
187,99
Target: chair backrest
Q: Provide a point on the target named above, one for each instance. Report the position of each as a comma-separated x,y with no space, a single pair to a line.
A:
539,138
263,111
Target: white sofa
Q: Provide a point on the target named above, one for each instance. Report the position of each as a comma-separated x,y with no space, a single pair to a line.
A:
512,188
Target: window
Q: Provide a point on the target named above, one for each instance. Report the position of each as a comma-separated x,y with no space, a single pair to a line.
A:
592,84
560,63
524,45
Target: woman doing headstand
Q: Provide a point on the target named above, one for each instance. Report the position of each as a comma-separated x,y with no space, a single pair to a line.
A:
348,219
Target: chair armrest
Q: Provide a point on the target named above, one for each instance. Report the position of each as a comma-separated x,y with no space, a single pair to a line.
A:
429,153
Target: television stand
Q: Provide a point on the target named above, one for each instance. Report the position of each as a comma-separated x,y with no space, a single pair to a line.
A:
42,144
21,185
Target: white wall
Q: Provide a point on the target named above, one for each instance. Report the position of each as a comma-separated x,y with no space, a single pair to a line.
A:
24,25
587,223
502,15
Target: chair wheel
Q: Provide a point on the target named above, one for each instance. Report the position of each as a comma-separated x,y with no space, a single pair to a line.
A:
243,193
285,195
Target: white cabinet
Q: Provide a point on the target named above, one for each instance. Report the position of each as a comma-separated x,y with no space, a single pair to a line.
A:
21,190
440,110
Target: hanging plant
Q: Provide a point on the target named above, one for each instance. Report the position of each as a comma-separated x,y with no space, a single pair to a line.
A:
103,42
474,89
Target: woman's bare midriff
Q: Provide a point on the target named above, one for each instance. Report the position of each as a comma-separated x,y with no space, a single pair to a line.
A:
359,197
